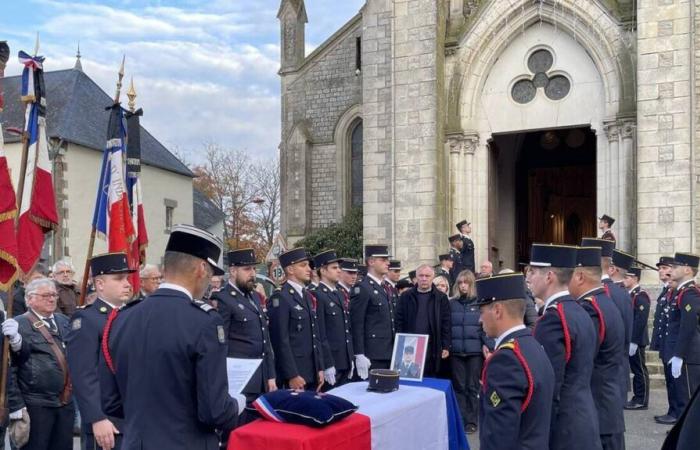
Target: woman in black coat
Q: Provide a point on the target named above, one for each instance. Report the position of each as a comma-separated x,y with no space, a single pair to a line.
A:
467,349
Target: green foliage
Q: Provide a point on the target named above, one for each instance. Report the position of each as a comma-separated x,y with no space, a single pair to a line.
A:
344,237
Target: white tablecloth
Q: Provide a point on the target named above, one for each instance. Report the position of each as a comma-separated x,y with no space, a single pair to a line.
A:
410,418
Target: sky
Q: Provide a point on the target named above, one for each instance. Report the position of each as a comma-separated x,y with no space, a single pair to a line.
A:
204,71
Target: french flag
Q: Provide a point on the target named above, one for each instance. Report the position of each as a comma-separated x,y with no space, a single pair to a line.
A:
112,218
137,254
38,213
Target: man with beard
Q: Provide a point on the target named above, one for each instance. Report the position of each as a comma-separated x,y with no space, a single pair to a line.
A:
245,322
293,327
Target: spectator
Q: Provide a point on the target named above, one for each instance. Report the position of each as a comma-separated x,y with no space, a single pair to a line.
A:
426,310
150,278
442,284
19,306
486,269
68,294
38,353
467,349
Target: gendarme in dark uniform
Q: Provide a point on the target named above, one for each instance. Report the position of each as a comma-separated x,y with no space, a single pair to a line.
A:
446,272
168,356
518,380
458,264
296,339
608,366
372,315
83,348
641,304
467,246
245,324
608,235
333,312
568,336
660,333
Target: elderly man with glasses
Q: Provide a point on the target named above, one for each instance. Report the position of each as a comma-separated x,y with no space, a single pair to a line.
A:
150,280
63,273
38,353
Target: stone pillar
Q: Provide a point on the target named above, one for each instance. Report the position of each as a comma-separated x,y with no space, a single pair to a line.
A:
628,208
613,179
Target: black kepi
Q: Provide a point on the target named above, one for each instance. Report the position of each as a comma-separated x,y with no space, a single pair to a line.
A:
376,251
293,256
194,241
500,287
552,255
242,257
686,259
606,247
622,260
109,264
325,258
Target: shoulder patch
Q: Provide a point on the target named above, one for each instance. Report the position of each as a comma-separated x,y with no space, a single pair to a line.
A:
357,289
103,309
275,302
688,308
202,305
495,399
509,345
220,334
76,324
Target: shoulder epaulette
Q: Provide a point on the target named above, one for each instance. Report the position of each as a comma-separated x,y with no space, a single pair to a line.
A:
204,306
509,345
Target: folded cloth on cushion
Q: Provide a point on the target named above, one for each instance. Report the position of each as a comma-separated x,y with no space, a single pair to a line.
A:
302,407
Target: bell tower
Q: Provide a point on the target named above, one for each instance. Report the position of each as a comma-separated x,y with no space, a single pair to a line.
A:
292,17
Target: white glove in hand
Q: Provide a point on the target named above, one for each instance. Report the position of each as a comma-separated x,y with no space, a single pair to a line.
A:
633,348
17,415
676,365
240,399
10,328
362,363
329,375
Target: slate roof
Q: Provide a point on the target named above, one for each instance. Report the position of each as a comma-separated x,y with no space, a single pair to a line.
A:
76,113
206,213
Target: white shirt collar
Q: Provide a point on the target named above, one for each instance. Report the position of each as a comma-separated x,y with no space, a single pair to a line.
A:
605,277
175,287
42,317
635,287
507,332
332,288
554,297
297,287
110,304
376,280
588,292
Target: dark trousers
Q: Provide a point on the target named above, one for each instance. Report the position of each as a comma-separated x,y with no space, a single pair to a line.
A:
640,377
51,428
613,441
675,403
686,385
466,374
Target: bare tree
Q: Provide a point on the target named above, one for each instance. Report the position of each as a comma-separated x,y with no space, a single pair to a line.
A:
266,176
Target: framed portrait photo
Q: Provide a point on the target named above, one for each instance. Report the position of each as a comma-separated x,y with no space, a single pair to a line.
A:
408,357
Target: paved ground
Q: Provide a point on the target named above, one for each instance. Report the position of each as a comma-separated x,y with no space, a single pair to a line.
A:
642,432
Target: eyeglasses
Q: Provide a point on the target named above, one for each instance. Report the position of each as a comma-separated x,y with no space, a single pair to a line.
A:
158,278
65,272
46,296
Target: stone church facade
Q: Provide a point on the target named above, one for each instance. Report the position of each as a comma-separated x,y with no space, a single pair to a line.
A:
528,118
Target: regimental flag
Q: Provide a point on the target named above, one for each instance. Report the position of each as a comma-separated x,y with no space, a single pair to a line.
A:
38,213
112,220
137,255
8,212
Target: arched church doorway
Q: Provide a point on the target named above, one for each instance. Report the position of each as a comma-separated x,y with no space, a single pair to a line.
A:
542,189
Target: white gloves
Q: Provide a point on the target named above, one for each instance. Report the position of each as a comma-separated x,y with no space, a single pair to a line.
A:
362,363
240,399
633,348
17,415
10,328
329,375
676,365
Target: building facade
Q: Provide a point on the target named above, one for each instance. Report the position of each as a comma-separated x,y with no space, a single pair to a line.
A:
527,118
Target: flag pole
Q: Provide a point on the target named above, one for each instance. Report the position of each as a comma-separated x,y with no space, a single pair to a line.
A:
93,232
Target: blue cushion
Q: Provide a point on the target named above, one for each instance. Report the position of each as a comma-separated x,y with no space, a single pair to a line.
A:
305,407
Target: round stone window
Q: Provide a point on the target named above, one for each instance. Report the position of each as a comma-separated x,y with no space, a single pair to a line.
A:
524,91
555,87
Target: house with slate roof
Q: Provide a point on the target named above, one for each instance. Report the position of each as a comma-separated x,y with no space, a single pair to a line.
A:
76,129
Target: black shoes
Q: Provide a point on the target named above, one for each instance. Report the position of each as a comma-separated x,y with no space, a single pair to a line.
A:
665,419
632,405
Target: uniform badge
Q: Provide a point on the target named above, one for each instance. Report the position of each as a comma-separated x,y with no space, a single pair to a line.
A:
357,289
688,308
220,334
495,399
376,292
298,308
332,304
103,309
77,323
233,293
291,291
240,306
275,302
641,307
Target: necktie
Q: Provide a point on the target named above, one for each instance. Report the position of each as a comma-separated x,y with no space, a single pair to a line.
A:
346,300
51,324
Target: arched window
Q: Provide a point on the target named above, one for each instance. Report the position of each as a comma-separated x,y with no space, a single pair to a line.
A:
356,164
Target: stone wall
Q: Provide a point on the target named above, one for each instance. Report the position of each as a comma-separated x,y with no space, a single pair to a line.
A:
664,189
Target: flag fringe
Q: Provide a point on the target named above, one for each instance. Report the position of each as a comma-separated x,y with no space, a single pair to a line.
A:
8,215
46,224
8,258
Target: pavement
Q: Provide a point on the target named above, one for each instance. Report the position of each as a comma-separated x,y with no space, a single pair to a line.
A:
642,432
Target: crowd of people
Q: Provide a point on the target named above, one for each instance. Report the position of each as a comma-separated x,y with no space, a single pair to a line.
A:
538,359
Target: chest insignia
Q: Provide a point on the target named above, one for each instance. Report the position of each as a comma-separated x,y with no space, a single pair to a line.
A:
103,309
688,308
240,306
77,323
495,399
298,308
220,334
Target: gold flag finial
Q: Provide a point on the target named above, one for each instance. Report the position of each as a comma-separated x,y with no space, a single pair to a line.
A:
131,93
119,81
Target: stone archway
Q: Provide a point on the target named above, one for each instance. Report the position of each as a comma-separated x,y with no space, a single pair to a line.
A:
471,124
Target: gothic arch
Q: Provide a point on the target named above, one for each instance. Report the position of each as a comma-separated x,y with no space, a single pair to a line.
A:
341,136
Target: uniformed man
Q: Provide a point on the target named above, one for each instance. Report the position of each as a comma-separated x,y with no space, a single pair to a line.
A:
372,315
293,328
608,365
465,230
83,346
348,277
568,336
640,339
683,340
333,312
390,280
456,246
245,323
445,268
605,223
361,272
660,332
165,365
518,380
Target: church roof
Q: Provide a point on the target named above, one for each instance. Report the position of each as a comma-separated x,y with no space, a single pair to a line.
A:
206,213
76,113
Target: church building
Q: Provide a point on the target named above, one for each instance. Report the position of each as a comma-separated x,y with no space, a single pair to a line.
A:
528,118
